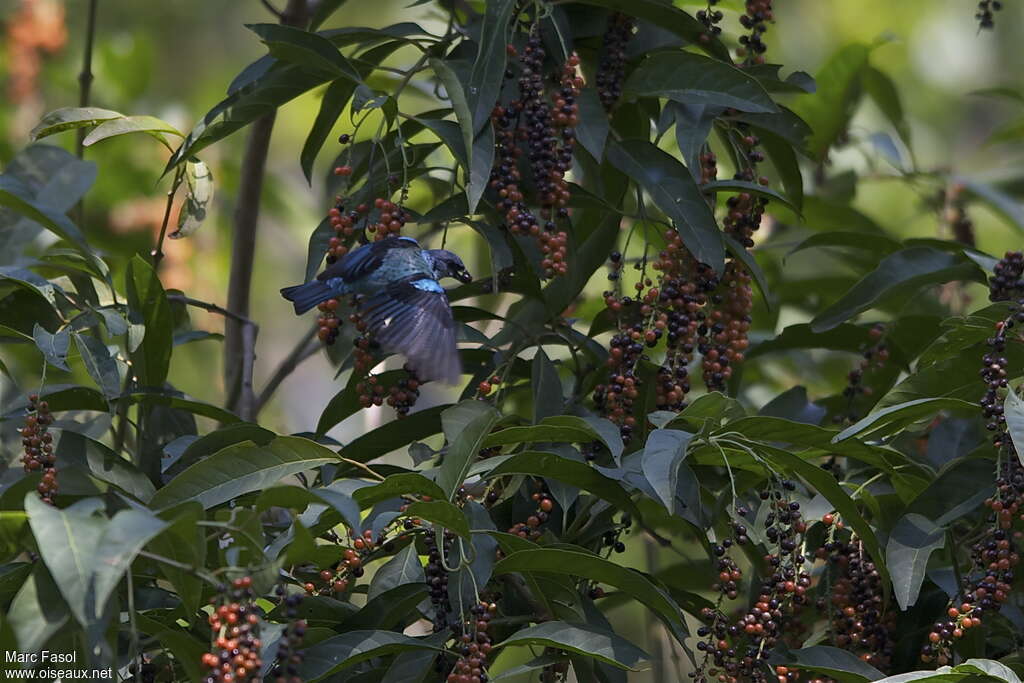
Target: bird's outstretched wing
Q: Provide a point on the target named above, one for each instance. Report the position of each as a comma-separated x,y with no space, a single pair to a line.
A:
365,259
412,317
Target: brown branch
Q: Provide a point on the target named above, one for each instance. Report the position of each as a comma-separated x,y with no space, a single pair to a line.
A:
158,251
212,308
306,348
239,353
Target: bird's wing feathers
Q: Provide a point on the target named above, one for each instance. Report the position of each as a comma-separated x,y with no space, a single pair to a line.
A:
412,317
365,259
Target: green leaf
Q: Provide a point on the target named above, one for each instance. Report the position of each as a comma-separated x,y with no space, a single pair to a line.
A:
322,12
1003,204
347,649
78,450
71,537
489,67
345,403
387,438
663,453
1013,408
242,468
148,305
54,347
442,513
668,17
879,244
592,131
898,274
674,191
482,160
68,118
882,90
334,101
465,426
128,531
198,197
102,367
842,665
131,124
37,611
690,78
752,188
401,484
293,45
911,543
403,568
892,419
547,387
187,650
583,639
180,402
586,565
567,471
828,110
184,542
460,105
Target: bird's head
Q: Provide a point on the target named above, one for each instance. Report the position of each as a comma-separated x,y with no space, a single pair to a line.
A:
448,264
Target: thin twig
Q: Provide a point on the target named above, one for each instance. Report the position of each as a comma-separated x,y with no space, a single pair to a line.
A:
85,76
305,348
158,251
273,10
363,466
212,308
247,399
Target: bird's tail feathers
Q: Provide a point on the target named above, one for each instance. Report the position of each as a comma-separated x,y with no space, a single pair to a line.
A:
306,296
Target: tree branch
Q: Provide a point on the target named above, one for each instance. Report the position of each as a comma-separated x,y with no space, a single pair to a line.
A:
239,341
212,308
85,76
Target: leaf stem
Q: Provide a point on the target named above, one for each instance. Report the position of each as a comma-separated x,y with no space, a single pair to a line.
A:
158,252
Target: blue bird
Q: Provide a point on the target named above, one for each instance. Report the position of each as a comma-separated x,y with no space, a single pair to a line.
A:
405,307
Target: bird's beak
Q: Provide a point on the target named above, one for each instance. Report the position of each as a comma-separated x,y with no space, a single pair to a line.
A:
464,276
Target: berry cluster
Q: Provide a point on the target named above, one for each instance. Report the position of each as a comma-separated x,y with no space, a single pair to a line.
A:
437,579
857,613
874,355
1007,282
474,646
708,166
724,335
342,575
615,399
612,67
710,18
38,443
984,15
755,21
486,386
548,129
530,529
289,650
739,651
235,657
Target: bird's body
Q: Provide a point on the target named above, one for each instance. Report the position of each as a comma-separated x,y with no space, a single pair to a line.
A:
403,303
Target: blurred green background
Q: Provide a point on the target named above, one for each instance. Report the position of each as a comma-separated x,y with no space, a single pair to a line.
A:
174,60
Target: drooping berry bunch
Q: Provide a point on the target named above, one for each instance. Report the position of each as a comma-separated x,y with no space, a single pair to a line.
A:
716,628
437,579
710,18
530,529
486,386
724,334
341,576
474,646
742,654
755,20
875,355
615,399
1007,282
612,67
38,445
858,618
985,14
235,626
289,649
708,166
403,394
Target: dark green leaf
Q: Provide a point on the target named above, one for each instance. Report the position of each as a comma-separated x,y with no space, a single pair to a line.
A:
322,12
828,110
663,453
911,543
592,130
78,450
148,305
883,91
131,124
695,79
899,273
335,99
585,565
442,513
37,611
894,418
68,118
745,186
124,536
102,367
387,438
489,68
547,387
296,46
242,468
396,485
668,17
567,471
583,639
460,105
465,426
54,347
347,649
482,160
674,191
842,665
403,568
1013,408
